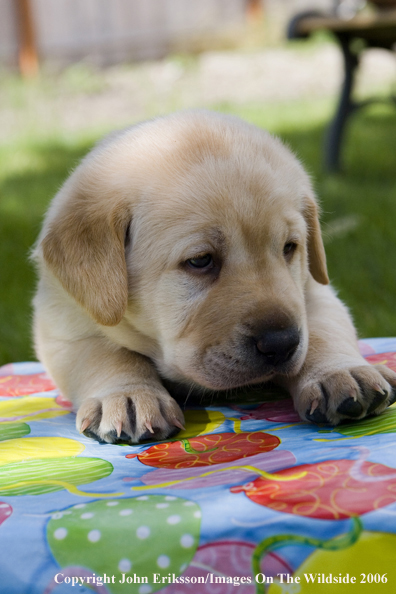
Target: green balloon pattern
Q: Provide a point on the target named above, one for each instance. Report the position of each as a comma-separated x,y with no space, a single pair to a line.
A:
13,430
135,536
35,477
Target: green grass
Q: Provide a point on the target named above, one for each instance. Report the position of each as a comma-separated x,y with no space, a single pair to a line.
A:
359,210
30,174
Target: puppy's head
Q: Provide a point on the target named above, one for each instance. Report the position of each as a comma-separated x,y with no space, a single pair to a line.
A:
190,239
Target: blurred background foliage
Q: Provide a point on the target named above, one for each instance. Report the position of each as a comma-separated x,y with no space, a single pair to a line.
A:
48,123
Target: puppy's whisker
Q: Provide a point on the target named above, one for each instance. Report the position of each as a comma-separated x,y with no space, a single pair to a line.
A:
189,393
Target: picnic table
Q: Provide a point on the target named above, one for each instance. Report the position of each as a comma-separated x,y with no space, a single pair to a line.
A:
354,35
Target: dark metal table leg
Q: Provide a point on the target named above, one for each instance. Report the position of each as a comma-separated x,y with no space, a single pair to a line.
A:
345,107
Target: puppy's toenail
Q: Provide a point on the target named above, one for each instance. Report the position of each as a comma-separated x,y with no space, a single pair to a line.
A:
118,427
84,425
350,407
149,427
378,388
177,423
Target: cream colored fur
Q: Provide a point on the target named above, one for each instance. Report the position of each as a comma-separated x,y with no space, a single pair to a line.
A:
120,307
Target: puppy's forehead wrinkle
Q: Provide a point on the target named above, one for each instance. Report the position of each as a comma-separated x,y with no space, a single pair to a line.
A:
188,244
247,223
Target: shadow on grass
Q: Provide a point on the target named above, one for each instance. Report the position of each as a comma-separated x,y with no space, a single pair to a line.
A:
361,256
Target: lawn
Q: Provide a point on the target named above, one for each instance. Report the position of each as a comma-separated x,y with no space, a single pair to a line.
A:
359,209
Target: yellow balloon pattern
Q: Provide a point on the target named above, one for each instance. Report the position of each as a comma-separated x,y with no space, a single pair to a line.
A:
30,408
33,448
368,559
200,422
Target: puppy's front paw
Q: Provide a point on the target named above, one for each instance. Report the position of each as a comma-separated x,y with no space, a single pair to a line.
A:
133,417
350,393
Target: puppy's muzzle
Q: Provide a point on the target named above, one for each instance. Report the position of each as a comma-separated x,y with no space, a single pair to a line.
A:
276,346
266,349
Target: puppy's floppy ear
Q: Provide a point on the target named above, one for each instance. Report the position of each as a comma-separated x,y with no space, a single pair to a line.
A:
316,252
84,248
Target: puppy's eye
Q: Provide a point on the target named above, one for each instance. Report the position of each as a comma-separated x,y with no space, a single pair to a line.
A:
204,262
289,249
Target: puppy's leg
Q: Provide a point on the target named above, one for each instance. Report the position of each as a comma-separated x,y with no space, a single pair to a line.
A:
335,382
118,392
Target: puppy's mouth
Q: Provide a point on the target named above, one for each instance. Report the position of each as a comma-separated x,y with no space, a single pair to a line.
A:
222,371
218,378
243,361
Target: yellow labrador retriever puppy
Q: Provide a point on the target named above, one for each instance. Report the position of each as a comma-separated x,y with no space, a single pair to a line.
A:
187,251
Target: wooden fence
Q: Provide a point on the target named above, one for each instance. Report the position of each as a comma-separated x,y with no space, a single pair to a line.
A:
108,31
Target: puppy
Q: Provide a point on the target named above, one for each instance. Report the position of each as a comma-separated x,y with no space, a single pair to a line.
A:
187,250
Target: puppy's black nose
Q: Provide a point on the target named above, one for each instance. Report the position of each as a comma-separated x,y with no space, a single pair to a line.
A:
277,346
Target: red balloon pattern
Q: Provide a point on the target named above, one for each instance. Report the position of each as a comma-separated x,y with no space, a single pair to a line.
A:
330,490
207,450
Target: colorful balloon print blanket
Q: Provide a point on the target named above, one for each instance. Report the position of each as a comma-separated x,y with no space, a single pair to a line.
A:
248,496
